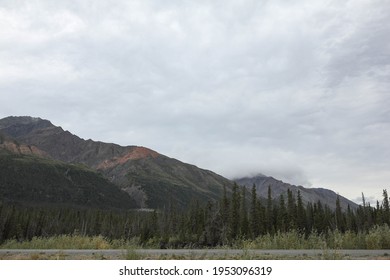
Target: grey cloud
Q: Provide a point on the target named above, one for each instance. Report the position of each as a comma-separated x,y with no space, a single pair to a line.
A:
295,90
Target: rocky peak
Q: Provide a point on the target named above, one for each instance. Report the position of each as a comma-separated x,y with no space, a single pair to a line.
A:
63,145
22,126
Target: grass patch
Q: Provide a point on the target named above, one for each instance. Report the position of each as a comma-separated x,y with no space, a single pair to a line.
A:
59,242
375,239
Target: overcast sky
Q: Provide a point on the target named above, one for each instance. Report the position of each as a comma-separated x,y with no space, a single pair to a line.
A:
298,90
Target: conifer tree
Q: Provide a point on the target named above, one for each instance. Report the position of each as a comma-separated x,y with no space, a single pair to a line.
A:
235,212
386,208
244,215
350,220
339,216
301,213
253,215
378,213
309,218
225,217
269,212
319,218
291,210
282,215
262,225
212,226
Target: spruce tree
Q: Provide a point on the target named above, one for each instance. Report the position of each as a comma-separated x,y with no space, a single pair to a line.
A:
269,212
244,215
301,213
386,208
225,217
253,215
319,217
351,220
282,215
261,220
235,212
339,216
291,210
309,218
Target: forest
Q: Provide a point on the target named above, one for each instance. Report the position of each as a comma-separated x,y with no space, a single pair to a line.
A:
240,219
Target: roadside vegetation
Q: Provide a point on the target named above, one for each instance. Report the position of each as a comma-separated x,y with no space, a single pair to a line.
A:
234,222
376,238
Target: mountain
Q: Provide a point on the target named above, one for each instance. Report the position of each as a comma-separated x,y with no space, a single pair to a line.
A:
278,187
28,176
152,179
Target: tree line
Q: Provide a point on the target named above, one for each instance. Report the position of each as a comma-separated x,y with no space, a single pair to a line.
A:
241,215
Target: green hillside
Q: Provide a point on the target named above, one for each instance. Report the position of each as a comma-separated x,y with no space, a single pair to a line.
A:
153,180
165,180
34,180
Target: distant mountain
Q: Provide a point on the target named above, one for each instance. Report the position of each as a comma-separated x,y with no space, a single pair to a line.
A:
278,187
152,179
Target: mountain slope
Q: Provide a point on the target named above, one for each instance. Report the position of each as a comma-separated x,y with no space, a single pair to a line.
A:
278,187
154,180
11,146
29,178
162,180
59,144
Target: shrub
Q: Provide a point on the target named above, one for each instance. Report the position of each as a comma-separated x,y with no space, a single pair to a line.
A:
378,237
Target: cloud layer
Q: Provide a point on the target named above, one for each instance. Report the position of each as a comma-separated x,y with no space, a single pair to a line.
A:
299,91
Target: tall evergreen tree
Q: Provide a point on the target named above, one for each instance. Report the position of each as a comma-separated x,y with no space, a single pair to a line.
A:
301,213
291,210
225,217
378,213
309,218
244,214
319,218
253,215
386,208
339,218
269,212
350,221
235,212
282,215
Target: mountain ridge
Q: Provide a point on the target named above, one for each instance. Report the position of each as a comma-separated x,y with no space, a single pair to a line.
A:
156,180
309,195
152,179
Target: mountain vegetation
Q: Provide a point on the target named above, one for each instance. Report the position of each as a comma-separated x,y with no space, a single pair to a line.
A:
31,180
282,223
152,179
53,183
